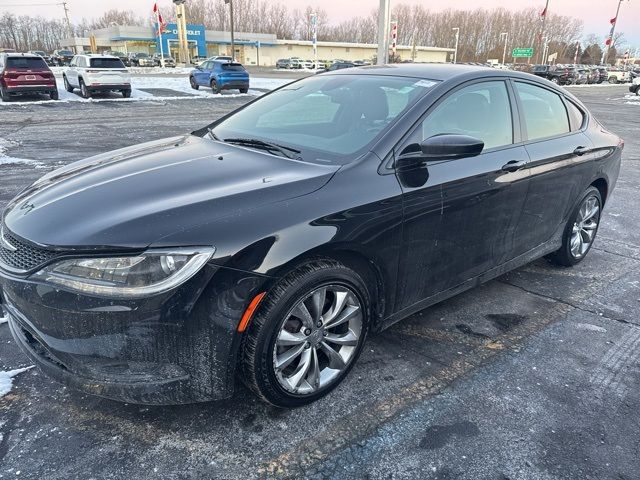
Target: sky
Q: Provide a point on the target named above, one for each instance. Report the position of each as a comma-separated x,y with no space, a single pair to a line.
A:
594,13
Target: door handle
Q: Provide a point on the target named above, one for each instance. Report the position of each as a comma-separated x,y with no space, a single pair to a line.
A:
513,166
579,151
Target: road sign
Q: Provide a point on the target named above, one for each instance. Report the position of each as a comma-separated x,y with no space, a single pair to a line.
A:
522,52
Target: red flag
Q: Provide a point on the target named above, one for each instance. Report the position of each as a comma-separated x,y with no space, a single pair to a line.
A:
155,7
608,42
613,20
544,12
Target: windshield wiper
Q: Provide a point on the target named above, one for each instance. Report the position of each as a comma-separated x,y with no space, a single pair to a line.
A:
213,135
272,147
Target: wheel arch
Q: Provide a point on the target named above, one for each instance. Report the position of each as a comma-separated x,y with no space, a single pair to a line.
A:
603,187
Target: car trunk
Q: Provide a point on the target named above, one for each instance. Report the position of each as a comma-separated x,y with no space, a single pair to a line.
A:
107,71
23,71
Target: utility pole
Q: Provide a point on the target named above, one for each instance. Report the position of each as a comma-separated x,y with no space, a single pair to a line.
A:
504,53
614,22
383,31
183,50
233,46
69,31
455,53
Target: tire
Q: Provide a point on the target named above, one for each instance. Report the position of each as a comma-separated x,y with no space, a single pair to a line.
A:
67,85
555,80
84,91
126,93
244,90
193,83
588,228
613,80
54,95
4,95
261,350
214,87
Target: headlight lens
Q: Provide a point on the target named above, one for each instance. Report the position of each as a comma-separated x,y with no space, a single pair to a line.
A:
127,277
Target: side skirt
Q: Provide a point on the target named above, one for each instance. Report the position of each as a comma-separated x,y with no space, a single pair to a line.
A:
540,251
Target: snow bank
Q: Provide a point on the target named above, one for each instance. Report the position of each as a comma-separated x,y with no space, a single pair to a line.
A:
3,319
6,379
5,159
139,83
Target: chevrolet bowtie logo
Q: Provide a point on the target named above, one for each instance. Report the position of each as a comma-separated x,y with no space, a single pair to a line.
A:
4,243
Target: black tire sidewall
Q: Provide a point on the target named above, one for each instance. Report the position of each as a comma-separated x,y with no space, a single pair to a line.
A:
565,256
273,316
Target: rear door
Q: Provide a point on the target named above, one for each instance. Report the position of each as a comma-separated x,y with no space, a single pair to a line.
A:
72,72
460,215
560,161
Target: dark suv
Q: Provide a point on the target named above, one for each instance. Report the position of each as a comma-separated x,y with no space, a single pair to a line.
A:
557,75
62,57
23,73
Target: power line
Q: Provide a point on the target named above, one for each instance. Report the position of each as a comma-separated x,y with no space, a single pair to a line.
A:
2,5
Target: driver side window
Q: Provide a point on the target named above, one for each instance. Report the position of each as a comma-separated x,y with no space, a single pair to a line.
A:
481,110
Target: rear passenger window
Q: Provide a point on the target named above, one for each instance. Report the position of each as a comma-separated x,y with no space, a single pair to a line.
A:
481,110
576,116
544,112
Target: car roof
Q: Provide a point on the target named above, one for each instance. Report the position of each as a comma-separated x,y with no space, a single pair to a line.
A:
433,71
16,54
96,55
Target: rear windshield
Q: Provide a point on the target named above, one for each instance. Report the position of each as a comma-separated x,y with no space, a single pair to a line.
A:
66,52
234,67
106,63
26,62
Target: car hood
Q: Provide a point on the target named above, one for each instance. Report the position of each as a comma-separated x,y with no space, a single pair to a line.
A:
133,197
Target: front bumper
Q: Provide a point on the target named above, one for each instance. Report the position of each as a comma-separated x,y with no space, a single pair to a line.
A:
178,347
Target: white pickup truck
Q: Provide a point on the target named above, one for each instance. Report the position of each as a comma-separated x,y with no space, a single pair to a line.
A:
619,76
635,86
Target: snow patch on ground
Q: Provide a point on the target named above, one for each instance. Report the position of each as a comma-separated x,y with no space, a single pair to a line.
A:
5,159
591,328
3,319
597,85
6,379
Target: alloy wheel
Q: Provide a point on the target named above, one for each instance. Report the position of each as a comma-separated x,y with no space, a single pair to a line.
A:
585,226
318,339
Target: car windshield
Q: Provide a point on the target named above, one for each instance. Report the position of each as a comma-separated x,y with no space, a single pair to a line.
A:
325,117
142,55
106,63
66,52
26,62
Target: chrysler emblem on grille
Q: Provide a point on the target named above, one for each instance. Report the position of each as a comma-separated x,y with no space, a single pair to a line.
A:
4,243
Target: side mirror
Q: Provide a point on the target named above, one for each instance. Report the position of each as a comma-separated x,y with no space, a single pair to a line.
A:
448,147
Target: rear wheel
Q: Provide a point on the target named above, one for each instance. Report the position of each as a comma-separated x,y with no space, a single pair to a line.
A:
126,93
244,90
307,334
193,83
580,231
54,95
84,90
4,95
214,87
67,85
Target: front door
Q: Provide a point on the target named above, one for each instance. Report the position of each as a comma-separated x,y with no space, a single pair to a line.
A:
459,218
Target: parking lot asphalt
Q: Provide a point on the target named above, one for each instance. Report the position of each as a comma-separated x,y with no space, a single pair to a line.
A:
534,375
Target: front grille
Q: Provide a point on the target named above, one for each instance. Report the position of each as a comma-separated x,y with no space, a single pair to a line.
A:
25,258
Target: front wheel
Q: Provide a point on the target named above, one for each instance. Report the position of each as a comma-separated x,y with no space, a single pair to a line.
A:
193,83
306,335
556,80
67,85
580,231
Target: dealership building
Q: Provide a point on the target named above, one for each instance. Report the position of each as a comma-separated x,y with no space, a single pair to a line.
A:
251,48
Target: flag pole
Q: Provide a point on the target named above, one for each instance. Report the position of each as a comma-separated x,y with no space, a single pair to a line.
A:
160,36
613,30
545,12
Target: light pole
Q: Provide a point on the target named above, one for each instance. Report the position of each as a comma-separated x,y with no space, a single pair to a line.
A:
504,53
455,53
545,46
383,32
233,46
614,22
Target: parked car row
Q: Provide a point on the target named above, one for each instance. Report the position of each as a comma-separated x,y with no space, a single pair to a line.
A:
296,63
582,74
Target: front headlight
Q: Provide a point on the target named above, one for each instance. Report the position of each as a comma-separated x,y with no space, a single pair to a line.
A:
147,274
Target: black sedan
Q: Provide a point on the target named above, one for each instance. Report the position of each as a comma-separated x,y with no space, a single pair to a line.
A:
269,244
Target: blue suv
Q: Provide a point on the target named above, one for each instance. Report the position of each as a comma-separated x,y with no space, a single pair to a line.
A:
220,75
